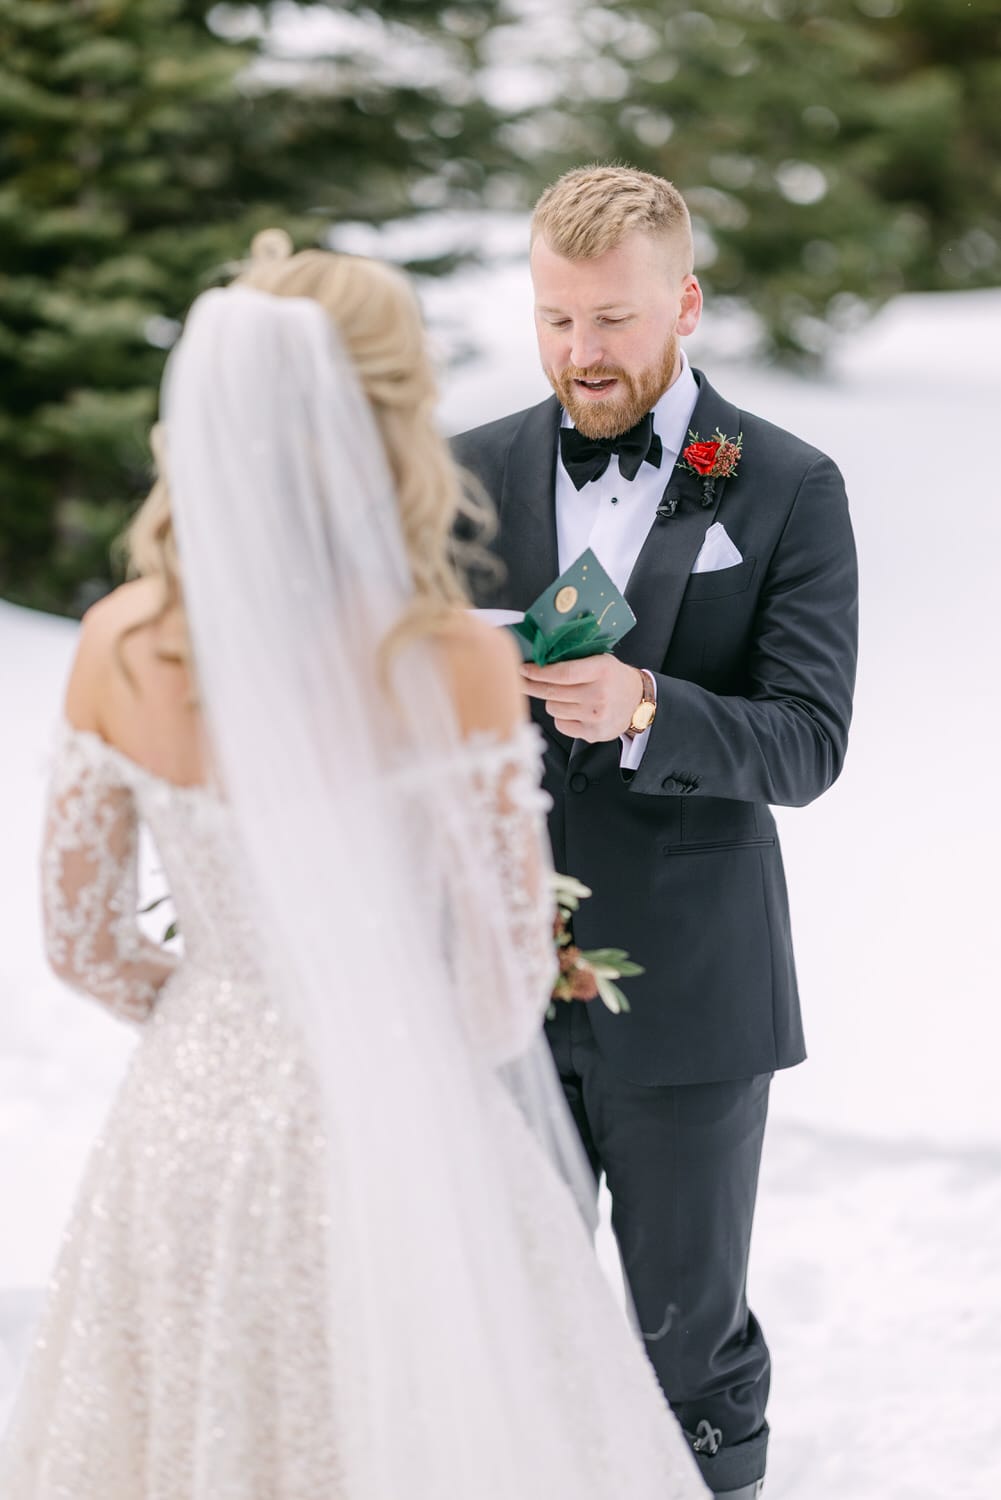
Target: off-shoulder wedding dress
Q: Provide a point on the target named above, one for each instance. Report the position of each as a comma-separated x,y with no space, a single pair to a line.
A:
186,1353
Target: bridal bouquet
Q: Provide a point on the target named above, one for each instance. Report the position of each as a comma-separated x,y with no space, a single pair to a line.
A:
586,974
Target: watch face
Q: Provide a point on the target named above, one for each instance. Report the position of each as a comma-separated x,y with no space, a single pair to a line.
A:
643,717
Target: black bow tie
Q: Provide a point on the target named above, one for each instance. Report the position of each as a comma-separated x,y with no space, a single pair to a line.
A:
587,458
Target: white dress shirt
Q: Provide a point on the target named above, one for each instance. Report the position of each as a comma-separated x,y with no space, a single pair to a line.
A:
612,515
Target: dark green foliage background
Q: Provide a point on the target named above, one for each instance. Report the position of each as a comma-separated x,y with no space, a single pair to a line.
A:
136,162
833,155
896,102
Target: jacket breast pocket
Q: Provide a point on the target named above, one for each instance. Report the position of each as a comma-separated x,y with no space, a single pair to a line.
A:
721,583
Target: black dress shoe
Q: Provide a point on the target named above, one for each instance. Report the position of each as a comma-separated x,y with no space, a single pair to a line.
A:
746,1492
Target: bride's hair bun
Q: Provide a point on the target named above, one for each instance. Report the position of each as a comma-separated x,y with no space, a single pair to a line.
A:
269,245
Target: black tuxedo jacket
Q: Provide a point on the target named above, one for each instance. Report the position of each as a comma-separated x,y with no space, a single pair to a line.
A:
755,670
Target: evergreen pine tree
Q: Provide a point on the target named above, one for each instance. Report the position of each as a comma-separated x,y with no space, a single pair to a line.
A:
142,144
834,152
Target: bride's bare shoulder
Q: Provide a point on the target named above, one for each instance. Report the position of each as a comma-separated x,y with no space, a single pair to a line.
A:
120,621
131,603
110,628
482,663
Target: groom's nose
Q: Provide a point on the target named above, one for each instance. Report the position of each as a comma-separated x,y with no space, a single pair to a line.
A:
586,348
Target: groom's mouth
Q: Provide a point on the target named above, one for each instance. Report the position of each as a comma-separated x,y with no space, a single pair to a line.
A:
594,388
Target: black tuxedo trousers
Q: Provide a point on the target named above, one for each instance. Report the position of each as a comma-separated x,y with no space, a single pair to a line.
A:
755,669
681,1162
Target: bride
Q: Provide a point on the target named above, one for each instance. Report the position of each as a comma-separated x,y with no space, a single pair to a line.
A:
324,1249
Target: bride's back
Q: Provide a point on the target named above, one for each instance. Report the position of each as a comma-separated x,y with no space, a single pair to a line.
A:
131,683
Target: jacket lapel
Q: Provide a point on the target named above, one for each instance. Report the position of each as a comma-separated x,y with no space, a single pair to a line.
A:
660,574
526,540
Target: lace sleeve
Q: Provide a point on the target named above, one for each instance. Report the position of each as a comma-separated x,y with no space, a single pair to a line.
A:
90,882
514,948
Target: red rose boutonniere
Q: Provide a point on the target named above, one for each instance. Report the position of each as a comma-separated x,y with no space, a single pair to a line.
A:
711,459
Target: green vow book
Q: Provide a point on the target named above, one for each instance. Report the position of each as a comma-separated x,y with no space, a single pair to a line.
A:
581,614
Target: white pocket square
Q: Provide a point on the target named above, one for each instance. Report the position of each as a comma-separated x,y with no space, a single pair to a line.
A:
716,552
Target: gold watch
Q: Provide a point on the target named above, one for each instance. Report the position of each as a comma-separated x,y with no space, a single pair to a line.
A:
646,710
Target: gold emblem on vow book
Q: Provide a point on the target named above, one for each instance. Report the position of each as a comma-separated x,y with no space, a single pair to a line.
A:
581,613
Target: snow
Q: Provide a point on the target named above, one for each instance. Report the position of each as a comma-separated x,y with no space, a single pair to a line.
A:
877,1261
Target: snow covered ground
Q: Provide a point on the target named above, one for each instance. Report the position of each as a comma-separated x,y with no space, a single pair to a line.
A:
877,1262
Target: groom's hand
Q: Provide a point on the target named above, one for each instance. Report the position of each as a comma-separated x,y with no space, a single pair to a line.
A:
591,699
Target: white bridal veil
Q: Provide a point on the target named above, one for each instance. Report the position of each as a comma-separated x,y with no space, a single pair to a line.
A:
376,877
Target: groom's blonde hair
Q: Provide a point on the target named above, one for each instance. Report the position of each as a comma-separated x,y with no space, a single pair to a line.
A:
590,210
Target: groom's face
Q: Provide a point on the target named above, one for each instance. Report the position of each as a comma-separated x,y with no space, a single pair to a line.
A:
609,328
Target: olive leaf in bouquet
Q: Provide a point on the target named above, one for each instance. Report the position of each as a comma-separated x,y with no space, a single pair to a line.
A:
171,931
585,973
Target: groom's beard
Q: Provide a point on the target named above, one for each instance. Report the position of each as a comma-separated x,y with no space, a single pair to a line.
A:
633,398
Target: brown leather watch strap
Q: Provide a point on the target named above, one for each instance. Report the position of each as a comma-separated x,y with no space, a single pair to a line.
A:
649,696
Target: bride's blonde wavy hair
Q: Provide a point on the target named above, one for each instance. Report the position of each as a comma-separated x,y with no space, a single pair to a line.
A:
377,316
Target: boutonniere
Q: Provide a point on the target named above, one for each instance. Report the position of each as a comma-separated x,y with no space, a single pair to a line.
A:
708,459
711,459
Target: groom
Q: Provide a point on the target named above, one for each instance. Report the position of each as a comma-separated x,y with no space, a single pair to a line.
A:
732,540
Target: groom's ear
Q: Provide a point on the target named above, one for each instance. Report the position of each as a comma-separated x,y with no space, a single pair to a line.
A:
691,306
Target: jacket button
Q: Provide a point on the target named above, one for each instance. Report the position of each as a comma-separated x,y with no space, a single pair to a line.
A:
669,784
578,782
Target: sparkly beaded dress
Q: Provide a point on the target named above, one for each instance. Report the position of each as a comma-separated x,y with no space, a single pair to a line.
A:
184,1353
